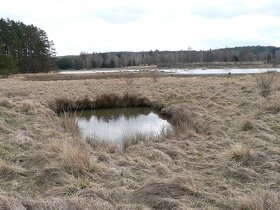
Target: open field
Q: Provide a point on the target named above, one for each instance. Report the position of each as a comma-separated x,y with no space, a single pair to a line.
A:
226,154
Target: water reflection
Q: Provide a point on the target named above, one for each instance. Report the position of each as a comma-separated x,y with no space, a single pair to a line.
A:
113,124
112,114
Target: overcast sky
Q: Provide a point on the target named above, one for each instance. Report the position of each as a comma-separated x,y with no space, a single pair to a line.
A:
141,25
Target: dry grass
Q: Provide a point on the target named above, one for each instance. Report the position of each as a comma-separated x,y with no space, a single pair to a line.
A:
97,143
69,123
155,75
6,102
101,101
138,137
162,194
74,156
20,203
265,82
263,201
133,139
51,176
213,161
240,154
129,80
246,124
9,172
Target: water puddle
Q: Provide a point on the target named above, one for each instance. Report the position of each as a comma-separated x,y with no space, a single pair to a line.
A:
114,124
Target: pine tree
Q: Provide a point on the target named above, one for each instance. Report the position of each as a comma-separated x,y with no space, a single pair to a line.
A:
24,47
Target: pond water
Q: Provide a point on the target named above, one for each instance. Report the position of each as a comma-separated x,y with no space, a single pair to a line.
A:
113,124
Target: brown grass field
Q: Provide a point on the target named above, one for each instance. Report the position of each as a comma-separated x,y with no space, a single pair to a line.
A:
225,153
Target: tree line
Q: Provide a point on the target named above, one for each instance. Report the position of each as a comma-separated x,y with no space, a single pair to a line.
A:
267,54
24,48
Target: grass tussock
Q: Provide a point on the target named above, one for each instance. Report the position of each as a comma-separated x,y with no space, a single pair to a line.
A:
74,160
246,124
265,82
164,194
238,152
74,156
241,154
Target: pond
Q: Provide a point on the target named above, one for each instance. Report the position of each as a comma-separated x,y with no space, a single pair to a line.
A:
115,123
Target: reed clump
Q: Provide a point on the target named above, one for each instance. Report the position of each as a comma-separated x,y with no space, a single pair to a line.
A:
101,101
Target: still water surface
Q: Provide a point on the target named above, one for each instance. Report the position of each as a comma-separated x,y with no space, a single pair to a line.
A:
112,124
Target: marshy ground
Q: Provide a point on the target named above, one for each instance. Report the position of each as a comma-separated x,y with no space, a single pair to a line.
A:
226,154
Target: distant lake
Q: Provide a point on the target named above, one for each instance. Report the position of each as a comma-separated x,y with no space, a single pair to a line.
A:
219,71
176,71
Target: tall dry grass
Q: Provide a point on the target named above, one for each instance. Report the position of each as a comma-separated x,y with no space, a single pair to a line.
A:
74,156
101,101
139,137
69,123
265,82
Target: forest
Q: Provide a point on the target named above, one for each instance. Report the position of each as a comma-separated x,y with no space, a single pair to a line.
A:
24,48
251,54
